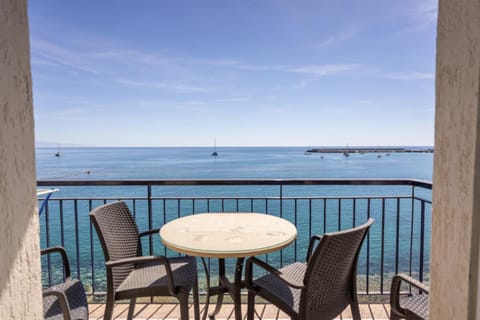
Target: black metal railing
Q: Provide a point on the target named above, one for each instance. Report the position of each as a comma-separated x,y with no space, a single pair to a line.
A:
399,241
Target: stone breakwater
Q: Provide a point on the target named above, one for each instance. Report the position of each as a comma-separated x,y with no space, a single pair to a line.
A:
369,150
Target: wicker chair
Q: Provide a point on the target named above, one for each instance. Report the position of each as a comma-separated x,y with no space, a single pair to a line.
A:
411,307
322,287
131,275
66,300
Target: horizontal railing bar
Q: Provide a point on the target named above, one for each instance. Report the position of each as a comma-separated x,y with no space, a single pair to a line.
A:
423,199
235,198
236,182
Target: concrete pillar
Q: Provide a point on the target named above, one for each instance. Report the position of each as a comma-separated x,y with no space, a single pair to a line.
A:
20,281
456,182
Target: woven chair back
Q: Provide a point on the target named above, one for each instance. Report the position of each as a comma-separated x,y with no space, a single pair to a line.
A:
118,234
331,274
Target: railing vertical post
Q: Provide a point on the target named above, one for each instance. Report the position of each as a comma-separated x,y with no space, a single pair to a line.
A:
77,238
281,200
47,241
324,215
411,230
397,236
382,252
367,280
62,225
281,215
354,212
92,249
296,224
422,241
339,214
150,222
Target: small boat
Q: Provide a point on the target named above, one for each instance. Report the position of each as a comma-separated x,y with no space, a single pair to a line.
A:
346,154
58,154
214,153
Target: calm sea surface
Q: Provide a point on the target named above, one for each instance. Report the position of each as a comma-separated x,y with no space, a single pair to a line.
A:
234,163
231,163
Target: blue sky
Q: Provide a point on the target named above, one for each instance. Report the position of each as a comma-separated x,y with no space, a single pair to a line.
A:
246,73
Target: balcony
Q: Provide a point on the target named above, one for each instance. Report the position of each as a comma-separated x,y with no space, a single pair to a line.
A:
399,241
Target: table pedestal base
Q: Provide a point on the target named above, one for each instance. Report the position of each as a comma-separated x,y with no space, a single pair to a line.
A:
225,286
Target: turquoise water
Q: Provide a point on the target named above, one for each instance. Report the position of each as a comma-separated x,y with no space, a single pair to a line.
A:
231,163
235,163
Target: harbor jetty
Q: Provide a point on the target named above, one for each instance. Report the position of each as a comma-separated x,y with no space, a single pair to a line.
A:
362,150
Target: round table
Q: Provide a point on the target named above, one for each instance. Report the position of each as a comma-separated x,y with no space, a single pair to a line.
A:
227,235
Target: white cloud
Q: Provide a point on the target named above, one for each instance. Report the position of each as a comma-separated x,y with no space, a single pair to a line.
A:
54,54
334,40
300,85
233,99
161,85
410,76
426,10
325,70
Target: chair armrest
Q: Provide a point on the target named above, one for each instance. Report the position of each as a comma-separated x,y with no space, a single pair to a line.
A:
311,244
144,259
62,300
63,254
145,233
277,273
395,290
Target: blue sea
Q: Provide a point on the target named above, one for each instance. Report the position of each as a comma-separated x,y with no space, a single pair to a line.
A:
231,163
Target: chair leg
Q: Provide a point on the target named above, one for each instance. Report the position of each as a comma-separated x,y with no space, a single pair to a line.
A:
250,305
131,308
108,307
183,301
196,303
355,311
394,316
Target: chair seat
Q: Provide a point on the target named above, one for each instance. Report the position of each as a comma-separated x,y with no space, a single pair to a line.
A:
275,290
416,304
150,279
75,293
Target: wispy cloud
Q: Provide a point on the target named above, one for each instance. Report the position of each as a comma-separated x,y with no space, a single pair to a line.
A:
426,10
233,99
420,15
161,85
336,39
44,52
300,85
325,70
48,53
410,76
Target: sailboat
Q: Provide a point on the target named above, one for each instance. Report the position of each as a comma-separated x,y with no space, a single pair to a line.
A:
58,154
214,153
346,154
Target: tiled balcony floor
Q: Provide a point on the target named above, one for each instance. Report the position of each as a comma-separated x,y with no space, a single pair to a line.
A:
164,311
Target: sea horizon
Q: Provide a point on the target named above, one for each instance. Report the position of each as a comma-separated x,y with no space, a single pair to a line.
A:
237,146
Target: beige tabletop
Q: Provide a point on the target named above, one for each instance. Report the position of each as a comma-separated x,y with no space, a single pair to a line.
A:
227,235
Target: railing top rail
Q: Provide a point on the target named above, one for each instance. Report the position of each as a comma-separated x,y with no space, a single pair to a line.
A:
236,182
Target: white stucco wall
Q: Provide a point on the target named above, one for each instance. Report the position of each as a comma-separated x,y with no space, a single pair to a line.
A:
456,182
20,286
